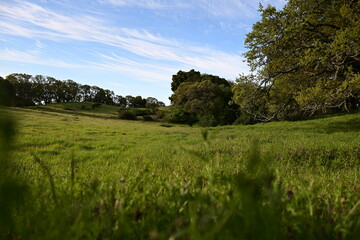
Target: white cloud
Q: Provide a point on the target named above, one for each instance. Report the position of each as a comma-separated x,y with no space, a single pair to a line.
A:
154,58
33,57
235,9
149,4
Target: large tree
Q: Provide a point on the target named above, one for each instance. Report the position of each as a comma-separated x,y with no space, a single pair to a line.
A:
307,56
204,95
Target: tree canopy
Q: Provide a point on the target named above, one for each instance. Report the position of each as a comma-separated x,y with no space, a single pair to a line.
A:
204,95
305,59
19,89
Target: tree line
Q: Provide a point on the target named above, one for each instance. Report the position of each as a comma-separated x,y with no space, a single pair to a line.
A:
20,89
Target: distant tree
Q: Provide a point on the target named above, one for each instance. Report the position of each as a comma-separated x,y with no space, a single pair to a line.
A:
109,97
138,102
7,93
120,101
71,91
152,102
39,82
161,104
100,96
129,101
24,89
49,90
58,89
85,92
94,90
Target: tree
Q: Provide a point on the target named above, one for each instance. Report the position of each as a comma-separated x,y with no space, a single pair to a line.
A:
24,94
306,56
138,102
195,76
181,77
129,101
85,92
120,101
58,89
7,93
209,101
109,97
100,96
39,82
151,102
71,91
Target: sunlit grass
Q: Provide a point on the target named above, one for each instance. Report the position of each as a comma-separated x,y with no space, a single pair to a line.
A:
92,176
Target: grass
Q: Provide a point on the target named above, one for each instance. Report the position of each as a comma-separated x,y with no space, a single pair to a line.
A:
81,174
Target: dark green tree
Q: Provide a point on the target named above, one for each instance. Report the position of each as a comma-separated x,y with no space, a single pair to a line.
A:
85,92
24,89
307,57
138,102
206,96
71,91
129,101
181,77
120,101
7,93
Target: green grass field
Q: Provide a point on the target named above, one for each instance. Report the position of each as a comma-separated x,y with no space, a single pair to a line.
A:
82,174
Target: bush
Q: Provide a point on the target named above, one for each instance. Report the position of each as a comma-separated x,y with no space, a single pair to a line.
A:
147,118
245,119
141,112
95,105
126,114
180,116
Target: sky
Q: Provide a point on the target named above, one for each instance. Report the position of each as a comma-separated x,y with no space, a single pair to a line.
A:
132,47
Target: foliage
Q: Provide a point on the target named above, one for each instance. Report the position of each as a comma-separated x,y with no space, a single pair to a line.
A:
27,90
205,95
7,93
94,105
147,118
126,114
182,77
306,58
176,115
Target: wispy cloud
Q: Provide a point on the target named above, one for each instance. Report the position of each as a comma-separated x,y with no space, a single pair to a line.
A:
149,4
218,8
33,57
154,56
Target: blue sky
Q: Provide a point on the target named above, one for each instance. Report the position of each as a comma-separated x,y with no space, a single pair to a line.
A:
132,47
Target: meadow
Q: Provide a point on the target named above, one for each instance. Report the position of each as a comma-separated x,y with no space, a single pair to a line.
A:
74,173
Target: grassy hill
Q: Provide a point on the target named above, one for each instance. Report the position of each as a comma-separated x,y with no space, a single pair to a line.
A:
90,176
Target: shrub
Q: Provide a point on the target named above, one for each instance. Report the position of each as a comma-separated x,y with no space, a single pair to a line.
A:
180,116
95,105
147,118
126,114
245,119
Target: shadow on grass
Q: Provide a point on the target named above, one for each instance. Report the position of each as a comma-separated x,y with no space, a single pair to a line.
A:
350,125
350,122
330,115
73,112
